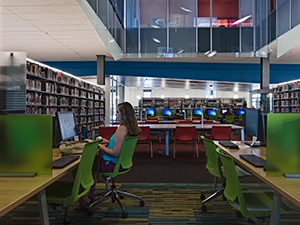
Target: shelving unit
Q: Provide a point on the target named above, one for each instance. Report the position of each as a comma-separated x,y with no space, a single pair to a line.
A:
287,98
49,90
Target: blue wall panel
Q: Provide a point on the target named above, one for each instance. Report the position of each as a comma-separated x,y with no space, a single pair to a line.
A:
231,72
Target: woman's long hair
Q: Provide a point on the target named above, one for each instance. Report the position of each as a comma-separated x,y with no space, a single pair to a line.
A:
128,119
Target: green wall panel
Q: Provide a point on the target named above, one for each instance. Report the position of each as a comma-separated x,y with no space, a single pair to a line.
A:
283,143
26,144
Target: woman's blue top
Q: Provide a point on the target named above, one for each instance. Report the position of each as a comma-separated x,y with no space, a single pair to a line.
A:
109,158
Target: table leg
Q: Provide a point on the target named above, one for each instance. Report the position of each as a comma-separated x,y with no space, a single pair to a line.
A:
167,142
275,208
43,208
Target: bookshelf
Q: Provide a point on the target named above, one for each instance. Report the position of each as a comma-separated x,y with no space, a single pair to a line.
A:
49,90
286,98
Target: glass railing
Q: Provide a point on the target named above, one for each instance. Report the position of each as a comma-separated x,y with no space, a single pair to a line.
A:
183,34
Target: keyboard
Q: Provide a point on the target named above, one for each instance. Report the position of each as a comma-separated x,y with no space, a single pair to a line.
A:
64,161
254,160
229,144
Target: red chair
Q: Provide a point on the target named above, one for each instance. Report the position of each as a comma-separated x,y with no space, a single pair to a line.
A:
183,121
220,133
107,132
150,121
145,139
210,122
186,135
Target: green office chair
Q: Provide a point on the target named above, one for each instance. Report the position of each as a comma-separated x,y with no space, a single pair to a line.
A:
229,119
65,193
122,166
253,205
213,165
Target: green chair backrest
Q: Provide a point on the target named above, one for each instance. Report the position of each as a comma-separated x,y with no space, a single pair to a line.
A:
125,157
84,178
233,188
229,119
213,163
213,117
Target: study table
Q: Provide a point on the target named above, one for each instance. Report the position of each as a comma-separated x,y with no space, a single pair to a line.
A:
286,187
16,190
167,127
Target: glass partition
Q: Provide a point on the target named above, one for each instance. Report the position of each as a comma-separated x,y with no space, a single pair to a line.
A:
182,26
295,7
284,15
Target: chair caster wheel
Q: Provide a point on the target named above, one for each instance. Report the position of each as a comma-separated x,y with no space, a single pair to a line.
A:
142,203
90,213
203,208
202,196
124,214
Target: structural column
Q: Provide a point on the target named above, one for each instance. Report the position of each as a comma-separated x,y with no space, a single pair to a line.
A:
264,84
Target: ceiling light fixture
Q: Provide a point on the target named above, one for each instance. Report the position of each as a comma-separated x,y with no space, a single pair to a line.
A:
181,51
155,26
210,53
156,40
185,9
241,20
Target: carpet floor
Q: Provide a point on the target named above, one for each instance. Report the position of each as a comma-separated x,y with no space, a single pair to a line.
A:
164,204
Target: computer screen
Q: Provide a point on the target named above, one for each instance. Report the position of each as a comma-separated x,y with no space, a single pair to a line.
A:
197,112
167,112
150,112
255,124
211,112
67,125
239,112
224,111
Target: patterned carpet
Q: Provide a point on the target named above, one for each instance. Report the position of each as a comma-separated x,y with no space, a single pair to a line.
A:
164,204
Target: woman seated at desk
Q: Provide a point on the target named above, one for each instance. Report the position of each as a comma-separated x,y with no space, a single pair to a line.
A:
109,150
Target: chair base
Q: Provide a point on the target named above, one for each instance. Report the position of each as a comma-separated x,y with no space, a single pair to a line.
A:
211,197
115,195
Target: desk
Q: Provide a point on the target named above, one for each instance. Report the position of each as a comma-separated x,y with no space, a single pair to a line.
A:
286,187
16,190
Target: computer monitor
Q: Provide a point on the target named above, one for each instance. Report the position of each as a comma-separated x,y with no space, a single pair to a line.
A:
67,125
197,112
251,121
240,112
211,112
224,111
255,124
150,112
167,112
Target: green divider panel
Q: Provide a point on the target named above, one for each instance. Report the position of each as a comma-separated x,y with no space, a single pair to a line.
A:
283,143
26,144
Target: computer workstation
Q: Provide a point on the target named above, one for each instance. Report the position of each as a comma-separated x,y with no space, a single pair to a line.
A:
69,136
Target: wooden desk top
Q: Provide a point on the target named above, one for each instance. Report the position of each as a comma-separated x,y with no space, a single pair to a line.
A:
16,190
287,187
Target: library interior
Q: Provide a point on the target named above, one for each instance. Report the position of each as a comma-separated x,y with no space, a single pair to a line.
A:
214,81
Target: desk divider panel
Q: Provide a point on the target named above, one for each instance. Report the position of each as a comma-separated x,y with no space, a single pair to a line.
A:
283,143
26,144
